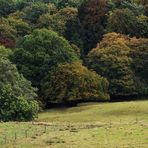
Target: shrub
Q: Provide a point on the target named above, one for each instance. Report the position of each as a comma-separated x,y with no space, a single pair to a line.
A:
16,94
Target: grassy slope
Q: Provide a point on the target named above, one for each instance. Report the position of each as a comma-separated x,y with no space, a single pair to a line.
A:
126,111
107,125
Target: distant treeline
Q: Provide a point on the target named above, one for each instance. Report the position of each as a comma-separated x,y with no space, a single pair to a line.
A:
70,51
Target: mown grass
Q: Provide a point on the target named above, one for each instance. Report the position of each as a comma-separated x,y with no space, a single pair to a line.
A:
105,125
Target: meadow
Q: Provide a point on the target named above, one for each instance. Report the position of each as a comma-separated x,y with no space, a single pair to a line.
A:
89,125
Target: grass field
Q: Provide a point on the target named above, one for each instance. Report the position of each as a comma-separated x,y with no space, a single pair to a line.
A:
93,125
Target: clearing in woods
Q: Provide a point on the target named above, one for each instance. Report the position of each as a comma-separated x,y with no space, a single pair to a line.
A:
93,125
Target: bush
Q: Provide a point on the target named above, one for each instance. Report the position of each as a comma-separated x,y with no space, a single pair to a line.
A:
16,108
16,94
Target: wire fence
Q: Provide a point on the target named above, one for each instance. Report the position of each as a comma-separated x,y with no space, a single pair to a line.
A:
38,129
30,132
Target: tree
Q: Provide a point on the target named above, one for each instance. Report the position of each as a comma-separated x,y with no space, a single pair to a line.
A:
6,7
142,26
57,21
16,109
34,11
66,23
22,28
16,94
69,3
122,21
113,63
122,60
60,4
7,34
41,51
5,52
92,16
139,54
73,82
136,8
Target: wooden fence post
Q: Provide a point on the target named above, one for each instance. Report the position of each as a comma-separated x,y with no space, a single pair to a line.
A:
36,132
15,136
5,139
26,134
45,129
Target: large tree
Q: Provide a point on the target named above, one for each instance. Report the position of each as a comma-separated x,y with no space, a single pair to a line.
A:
41,51
139,54
122,60
16,93
114,64
57,21
65,22
74,82
92,15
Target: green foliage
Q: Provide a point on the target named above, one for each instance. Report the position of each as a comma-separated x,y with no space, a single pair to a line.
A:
65,22
71,82
5,52
142,26
9,75
11,29
122,60
139,54
137,9
16,108
114,64
37,52
6,30
34,11
6,7
16,94
22,28
69,3
41,51
122,21
7,33
125,21
57,21
64,3
92,16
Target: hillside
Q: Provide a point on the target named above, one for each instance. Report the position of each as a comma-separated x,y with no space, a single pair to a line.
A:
103,125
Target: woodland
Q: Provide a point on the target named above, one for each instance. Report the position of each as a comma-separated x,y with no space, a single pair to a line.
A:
70,51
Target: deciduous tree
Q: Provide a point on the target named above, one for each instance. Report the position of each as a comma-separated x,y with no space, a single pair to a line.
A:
73,82
41,51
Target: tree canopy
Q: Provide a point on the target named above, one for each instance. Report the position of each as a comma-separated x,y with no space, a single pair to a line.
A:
72,82
41,51
17,96
116,58
56,51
